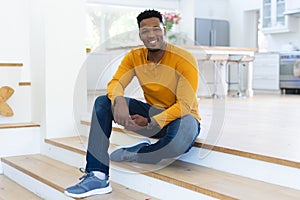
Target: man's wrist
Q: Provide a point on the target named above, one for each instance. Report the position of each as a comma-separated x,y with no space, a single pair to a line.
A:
151,123
118,99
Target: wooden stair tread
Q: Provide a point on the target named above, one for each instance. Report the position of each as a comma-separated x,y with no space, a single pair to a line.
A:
225,184
10,190
60,176
200,144
208,181
19,125
246,154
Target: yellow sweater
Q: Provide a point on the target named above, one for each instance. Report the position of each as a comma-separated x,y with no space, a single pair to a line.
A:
170,85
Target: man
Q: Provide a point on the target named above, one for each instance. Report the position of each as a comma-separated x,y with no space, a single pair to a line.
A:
168,76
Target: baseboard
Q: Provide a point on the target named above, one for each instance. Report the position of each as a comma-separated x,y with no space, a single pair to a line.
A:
259,91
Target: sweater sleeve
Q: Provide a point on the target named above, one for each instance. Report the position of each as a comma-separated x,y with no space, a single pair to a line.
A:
121,78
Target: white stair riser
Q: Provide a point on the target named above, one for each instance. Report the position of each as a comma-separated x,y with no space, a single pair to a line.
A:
155,187
63,155
247,167
42,190
136,181
19,141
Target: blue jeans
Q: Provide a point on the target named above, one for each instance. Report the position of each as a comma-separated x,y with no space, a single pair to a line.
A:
173,140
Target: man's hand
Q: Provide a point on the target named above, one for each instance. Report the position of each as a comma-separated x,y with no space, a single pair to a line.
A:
139,120
122,117
136,123
121,112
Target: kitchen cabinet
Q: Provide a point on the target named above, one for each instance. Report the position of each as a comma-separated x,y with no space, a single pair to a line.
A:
266,71
210,32
273,18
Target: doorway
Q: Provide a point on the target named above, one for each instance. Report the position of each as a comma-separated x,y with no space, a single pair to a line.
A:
251,28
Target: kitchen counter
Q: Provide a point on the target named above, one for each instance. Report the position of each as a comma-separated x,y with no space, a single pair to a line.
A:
221,48
200,53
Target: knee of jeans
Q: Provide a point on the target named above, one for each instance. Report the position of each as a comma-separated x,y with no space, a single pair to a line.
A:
189,123
188,132
103,101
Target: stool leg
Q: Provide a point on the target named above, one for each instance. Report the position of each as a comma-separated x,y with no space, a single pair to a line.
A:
214,94
239,93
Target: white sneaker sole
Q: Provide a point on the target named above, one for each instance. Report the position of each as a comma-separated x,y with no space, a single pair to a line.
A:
106,190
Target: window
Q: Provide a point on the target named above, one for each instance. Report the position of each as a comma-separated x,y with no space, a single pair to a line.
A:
112,26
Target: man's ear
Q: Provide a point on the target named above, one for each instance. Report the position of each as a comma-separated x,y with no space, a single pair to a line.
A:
165,30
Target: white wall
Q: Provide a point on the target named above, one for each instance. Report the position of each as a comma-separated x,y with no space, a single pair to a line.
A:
14,34
37,59
239,32
188,18
57,55
14,42
212,9
153,4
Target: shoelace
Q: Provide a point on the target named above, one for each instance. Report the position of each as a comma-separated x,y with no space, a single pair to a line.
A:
85,176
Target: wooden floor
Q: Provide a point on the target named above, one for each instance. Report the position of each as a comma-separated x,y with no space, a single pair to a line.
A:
264,124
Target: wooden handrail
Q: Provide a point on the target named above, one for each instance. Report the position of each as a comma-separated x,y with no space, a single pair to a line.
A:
24,83
19,125
11,64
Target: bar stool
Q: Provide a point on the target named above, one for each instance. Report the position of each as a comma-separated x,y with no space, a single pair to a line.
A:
232,60
241,61
218,60
201,57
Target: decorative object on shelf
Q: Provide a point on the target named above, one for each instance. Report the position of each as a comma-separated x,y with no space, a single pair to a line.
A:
5,93
170,19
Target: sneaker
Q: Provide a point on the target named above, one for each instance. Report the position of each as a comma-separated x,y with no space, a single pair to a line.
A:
90,185
128,153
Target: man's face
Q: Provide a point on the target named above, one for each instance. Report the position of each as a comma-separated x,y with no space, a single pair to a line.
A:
152,33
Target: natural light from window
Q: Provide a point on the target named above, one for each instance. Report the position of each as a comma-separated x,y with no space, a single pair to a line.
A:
112,26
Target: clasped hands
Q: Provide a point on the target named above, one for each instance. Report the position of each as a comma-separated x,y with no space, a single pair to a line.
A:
122,117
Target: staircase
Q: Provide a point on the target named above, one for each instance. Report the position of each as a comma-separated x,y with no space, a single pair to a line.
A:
206,172
48,175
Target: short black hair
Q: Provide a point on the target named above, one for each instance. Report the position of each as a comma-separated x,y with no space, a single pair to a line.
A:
148,14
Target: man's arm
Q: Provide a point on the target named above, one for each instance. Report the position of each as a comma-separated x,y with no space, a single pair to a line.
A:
121,112
115,90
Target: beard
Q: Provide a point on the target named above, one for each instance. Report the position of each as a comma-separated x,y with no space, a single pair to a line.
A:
153,50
